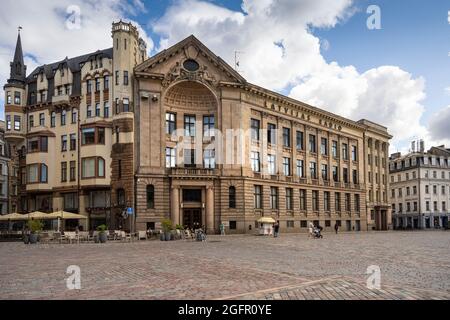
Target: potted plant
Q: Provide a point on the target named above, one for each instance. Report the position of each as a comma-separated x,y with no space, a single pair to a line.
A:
166,225
102,236
34,226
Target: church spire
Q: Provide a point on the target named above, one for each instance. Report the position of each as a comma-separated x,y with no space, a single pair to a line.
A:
18,68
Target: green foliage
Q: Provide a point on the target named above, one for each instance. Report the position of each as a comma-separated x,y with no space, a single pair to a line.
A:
179,227
166,225
35,225
102,228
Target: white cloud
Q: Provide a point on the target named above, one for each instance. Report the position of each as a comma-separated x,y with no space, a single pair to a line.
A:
281,52
45,35
439,124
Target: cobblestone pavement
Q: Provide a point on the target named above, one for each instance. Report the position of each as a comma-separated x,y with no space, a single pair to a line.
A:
414,265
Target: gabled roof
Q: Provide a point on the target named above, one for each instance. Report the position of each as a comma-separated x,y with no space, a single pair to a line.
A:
167,53
74,64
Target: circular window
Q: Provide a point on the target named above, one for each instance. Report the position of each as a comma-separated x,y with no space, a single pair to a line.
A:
191,65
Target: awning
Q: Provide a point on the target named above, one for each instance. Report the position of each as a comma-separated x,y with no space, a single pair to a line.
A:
64,215
37,215
14,217
266,220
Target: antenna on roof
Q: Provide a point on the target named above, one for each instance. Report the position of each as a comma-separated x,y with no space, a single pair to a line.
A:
237,62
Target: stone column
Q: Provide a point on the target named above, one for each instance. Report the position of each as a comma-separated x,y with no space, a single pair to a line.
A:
210,210
175,205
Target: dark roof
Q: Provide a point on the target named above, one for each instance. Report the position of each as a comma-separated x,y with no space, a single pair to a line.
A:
74,64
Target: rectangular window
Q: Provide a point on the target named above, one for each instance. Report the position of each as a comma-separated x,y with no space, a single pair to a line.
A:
106,83
171,122
8,122
189,126
315,200
299,140
89,111
41,119
37,173
287,137
324,146
88,136
126,105
355,176
88,168
170,158
335,174
326,201
73,142
31,121
208,126
337,202
63,171
300,169
17,126
97,110
97,85
273,198
255,161
17,98
313,170
303,204
271,133
287,166
312,143
345,151
324,172
354,153
289,199
345,175
106,110
255,129
271,161
257,197
74,116
348,202
89,87
189,157
125,78
117,78
209,159
8,98
64,143
334,149
72,170
357,203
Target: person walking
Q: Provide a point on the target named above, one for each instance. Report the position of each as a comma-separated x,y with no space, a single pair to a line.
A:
222,229
311,230
276,229
336,227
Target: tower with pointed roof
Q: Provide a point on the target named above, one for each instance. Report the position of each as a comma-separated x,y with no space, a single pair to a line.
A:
15,100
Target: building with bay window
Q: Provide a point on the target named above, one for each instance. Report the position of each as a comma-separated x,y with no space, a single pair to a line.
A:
182,135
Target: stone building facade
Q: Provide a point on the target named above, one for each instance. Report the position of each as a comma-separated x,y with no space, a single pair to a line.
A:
420,189
4,172
182,135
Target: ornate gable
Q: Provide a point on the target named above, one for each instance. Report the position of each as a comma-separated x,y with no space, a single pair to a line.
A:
189,60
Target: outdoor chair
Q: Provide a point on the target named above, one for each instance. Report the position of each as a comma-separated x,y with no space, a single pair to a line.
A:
83,236
142,235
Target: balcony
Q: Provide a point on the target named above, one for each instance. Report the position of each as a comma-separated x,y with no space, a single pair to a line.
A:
62,99
193,172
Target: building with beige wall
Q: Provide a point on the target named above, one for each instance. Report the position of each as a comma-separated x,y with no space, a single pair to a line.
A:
182,135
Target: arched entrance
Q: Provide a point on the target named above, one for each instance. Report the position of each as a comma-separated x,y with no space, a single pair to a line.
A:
191,111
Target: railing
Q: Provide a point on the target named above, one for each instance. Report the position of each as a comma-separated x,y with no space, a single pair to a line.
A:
193,172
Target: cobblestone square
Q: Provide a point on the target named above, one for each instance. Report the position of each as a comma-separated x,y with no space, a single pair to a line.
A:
414,265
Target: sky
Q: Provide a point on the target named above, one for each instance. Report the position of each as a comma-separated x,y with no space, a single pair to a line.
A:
318,51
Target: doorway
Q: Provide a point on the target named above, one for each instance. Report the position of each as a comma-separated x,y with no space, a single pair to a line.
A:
192,218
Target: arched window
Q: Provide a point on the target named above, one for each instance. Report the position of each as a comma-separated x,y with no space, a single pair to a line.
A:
232,197
150,197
